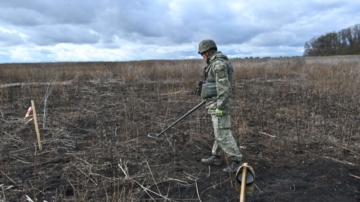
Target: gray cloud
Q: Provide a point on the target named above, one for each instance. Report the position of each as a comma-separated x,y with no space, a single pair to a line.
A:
10,39
48,12
50,35
166,29
24,17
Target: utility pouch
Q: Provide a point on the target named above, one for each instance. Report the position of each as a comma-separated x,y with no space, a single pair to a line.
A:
208,90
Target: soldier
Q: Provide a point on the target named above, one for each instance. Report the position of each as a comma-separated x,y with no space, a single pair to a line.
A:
218,74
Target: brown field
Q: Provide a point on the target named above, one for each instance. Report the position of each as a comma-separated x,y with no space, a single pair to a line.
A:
296,120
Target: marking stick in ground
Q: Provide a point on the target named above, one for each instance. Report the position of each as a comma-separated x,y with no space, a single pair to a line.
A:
36,124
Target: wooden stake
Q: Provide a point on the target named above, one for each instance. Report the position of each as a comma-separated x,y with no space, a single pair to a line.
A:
36,124
243,182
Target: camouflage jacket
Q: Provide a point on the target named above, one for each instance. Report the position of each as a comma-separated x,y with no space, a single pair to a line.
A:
217,71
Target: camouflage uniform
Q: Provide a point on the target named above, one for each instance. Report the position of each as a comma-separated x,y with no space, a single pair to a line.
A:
217,71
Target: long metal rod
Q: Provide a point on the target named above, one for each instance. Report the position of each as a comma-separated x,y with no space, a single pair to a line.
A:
155,135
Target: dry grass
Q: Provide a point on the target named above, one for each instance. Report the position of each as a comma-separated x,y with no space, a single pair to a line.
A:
333,78
333,75
281,99
168,70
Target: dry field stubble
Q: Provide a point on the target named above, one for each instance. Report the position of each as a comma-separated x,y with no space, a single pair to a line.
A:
296,121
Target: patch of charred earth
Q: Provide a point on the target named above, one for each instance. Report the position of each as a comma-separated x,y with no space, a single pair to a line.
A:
93,128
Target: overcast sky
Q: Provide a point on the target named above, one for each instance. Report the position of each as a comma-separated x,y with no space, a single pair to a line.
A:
125,30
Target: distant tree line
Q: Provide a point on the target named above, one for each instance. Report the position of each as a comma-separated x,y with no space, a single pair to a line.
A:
344,42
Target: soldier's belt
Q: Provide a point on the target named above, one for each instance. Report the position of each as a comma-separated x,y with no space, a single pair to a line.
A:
208,90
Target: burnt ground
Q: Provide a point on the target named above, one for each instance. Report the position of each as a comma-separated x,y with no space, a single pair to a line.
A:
302,144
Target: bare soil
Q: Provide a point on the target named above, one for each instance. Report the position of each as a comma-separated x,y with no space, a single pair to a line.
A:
302,144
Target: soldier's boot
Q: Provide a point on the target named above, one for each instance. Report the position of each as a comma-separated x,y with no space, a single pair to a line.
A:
233,167
212,160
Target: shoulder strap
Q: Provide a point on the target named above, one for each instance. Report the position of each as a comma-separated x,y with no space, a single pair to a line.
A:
229,67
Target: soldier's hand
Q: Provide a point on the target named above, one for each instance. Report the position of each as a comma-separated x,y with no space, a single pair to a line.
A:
198,91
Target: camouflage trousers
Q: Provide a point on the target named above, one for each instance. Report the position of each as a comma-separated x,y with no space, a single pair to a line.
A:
224,140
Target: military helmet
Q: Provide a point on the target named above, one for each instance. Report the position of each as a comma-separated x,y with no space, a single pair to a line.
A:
206,44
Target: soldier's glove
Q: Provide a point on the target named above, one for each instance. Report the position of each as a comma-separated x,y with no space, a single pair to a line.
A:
218,113
198,89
